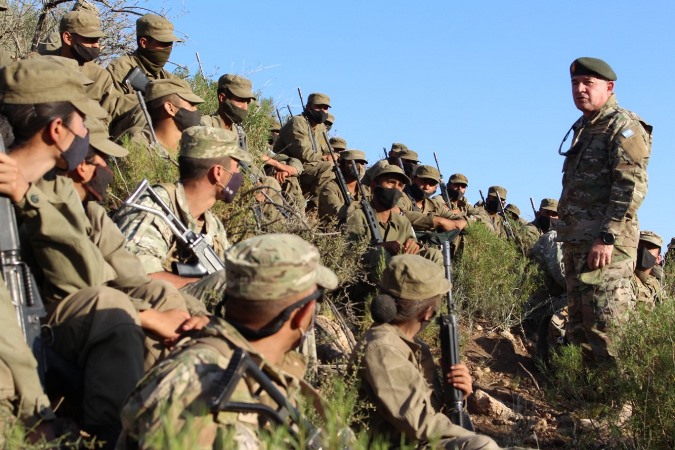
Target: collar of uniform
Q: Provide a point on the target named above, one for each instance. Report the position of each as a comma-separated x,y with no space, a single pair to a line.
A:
609,104
412,343
184,210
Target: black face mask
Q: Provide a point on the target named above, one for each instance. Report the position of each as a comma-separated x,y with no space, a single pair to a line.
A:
547,223
232,186
409,169
316,116
99,183
645,260
454,195
185,119
417,193
85,54
154,59
492,206
387,197
76,152
234,113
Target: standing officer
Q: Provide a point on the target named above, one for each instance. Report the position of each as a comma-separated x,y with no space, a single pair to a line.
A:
604,184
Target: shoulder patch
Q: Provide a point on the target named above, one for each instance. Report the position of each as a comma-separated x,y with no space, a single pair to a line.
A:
627,133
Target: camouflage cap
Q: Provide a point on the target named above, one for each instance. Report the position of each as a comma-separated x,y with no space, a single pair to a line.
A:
100,140
237,85
353,155
83,23
549,204
317,98
208,142
513,209
338,143
330,119
413,277
159,88
276,126
493,190
428,172
592,66
459,179
156,27
651,238
275,267
388,169
4,5
42,80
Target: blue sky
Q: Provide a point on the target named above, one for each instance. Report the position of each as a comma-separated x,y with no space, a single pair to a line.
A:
484,84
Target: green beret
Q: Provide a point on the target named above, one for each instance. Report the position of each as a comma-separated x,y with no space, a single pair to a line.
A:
274,267
428,172
83,23
338,143
316,98
159,88
208,142
512,208
413,277
549,204
100,139
593,67
459,179
43,80
353,155
237,85
156,27
388,169
651,238
493,190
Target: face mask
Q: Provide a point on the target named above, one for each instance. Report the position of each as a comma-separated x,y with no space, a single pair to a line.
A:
185,119
387,197
454,195
316,116
232,186
76,152
85,54
645,260
492,206
234,113
417,193
98,185
409,169
155,59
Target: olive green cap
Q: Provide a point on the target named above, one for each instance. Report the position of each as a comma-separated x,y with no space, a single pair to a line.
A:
405,153
593,67
237,85
84,5
67,64
276,126
459,179
208,142
42,80
353,155
513,209
330,119
100,139
338,143
156,27
428,172
493,190
83,23
386,169
274,267
651,238
413,277
159,88
549,204
397,147
317,98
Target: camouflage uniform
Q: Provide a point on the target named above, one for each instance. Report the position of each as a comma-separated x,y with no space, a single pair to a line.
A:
604,184
179,391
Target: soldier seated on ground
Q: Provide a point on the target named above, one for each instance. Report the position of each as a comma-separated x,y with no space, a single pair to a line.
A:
494,209
399,155
274,282
332,205
396,231
545,220
396,370
209,171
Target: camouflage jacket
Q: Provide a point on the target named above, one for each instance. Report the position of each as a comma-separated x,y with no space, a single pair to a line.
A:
176,394
151,239
605,177
647,288
294,140
547,252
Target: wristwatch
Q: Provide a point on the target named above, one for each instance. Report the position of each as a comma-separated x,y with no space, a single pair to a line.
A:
607,238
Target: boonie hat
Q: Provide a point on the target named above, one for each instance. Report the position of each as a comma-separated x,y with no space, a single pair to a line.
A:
208,142
83,23
413,277
159,88
156,27
237,85
275,266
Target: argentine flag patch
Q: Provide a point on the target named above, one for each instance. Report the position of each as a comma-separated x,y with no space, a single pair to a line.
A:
627,133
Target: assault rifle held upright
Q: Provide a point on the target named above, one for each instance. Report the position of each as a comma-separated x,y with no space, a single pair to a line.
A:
208,260
444,188
454,399
136,81
339,176
20,283
376,236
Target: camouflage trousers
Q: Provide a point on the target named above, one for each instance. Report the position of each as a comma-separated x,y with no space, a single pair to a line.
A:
597,300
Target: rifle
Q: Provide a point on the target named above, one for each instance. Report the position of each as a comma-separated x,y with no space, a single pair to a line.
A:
208,260
289,110
534,210
481,196
279,116
376,236
507,225
339,176
136,81
20,282
444,188
454,398
309,126
384,150
246,169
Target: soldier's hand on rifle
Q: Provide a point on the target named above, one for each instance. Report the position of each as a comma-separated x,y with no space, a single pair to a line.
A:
12,182
460,378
